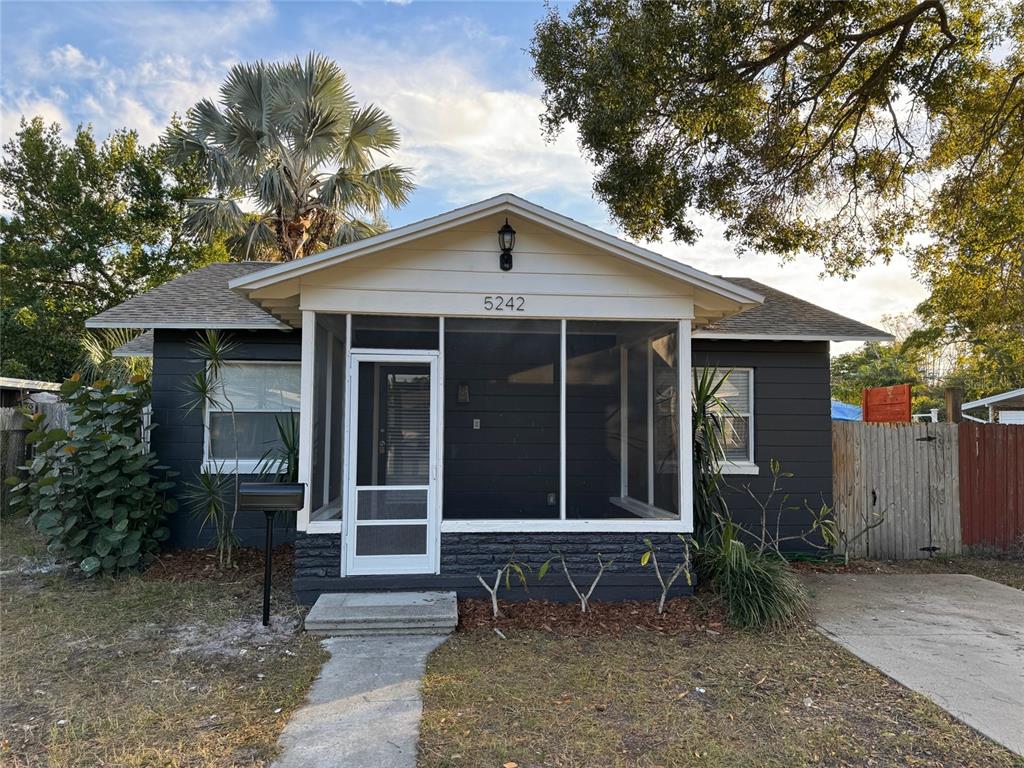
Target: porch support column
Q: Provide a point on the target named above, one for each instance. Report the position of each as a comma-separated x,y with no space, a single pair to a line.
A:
306,414
684,359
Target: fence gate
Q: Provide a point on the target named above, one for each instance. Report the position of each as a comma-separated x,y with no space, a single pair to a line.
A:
906,472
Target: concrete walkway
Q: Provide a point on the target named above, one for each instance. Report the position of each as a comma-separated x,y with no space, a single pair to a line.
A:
959,640
363,711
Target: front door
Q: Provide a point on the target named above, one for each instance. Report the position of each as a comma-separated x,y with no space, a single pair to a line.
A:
391,514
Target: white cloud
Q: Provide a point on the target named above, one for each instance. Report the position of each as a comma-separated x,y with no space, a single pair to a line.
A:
12,112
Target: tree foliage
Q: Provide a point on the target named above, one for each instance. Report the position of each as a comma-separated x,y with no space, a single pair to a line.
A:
798,123
88,225
290,138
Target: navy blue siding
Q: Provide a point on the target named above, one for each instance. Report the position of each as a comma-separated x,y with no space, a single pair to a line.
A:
178,437
792,425
792,422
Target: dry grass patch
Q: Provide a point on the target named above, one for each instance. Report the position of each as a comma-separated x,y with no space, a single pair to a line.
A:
1004,569
146,671
645,699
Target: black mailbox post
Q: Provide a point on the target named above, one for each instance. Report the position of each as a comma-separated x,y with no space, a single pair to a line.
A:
271,498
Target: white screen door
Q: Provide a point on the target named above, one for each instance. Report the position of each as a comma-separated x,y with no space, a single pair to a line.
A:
391,526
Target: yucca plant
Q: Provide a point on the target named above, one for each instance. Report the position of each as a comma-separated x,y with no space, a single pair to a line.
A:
290,139
207,390
708,453
282,461
760,591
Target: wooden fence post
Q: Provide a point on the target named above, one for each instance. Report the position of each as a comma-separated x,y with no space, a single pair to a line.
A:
954,399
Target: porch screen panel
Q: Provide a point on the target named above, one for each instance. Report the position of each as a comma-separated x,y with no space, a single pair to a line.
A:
501,419
609,365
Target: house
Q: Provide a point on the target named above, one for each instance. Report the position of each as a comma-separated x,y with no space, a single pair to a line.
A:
460,403
1005,407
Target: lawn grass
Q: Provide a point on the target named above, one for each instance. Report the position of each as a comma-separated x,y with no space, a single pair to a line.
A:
786,699
144,672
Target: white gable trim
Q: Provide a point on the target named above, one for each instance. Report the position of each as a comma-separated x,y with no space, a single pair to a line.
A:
993,399
514,206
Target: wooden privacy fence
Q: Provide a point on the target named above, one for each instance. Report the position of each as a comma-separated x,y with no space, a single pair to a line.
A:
940,487
904,472
992,485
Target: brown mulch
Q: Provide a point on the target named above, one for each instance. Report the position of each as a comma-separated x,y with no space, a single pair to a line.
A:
683,615
201,564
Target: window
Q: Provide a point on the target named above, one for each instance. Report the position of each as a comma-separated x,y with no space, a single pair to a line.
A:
259,394
738,419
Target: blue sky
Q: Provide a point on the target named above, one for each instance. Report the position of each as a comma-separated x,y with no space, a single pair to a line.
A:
455,77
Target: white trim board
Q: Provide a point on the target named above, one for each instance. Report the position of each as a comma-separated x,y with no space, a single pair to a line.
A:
993,399
741,336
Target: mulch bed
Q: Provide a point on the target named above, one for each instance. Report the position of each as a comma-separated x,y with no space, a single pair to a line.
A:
201,564
682,616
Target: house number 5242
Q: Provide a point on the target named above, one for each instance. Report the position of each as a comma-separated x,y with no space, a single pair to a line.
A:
505,303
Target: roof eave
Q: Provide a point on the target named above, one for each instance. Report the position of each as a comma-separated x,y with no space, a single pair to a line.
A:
189,325
993,399
741,336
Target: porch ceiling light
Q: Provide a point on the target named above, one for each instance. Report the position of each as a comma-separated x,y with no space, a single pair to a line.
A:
506,241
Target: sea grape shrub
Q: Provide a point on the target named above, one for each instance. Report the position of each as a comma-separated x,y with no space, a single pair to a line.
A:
95,490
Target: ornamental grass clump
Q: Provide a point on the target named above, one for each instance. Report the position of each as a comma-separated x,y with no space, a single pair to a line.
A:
95,491
760,591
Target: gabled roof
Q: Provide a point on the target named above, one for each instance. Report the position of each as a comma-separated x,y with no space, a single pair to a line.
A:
200,299
785,317
1002,397
512,205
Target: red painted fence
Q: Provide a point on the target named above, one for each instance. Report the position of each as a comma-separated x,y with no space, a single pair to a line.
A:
991,485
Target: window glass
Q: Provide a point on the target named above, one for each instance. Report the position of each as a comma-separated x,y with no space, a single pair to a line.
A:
258,434
260,394
736,417
261,386
501,418
611,456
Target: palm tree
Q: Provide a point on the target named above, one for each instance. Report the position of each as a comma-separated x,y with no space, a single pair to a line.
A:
290,141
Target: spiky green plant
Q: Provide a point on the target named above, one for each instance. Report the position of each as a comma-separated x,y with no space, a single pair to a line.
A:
708,453
282,461
207,390
290,138
760,591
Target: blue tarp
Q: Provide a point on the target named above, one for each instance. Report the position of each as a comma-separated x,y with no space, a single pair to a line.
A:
845,411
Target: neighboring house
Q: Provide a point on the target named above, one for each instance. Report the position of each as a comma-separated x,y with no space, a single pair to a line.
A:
1005,408
453,413
21,391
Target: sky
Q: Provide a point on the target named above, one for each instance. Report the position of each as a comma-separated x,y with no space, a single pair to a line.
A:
454,76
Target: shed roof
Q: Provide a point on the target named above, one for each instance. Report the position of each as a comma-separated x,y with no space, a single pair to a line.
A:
1009,398
140,346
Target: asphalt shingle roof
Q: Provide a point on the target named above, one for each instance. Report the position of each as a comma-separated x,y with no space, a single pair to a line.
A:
200,299
783,315
140,346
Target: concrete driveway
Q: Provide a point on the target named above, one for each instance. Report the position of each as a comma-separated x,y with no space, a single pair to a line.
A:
959,640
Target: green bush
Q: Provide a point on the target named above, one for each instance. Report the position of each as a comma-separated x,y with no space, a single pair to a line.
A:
95,491
760,591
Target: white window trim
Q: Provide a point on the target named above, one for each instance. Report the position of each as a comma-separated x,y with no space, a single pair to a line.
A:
749,465
228,466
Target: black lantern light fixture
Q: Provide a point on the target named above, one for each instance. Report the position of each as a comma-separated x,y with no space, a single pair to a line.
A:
506,241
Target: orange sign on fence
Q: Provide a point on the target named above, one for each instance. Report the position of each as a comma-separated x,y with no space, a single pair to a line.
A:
886,404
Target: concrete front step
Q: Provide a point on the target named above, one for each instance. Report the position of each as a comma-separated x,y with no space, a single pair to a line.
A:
341,614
